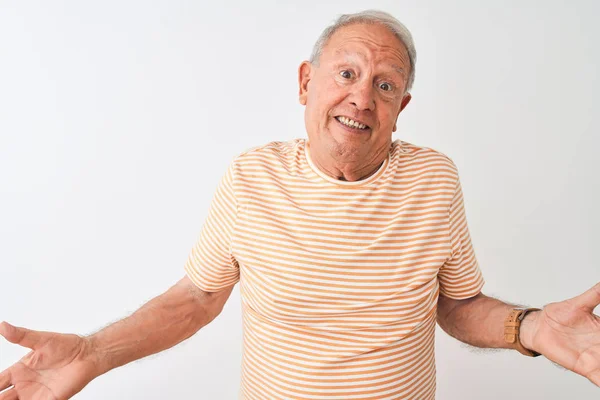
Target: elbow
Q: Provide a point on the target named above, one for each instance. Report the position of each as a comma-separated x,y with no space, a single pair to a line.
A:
447,309
210,304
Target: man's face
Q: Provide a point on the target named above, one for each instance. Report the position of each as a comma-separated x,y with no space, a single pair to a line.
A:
362,76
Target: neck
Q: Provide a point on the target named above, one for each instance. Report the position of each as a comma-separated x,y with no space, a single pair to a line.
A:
351,170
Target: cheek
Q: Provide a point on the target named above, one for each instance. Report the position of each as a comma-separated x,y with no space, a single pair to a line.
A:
387,115
330,94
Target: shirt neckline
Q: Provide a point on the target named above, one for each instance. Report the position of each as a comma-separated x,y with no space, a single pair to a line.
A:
370,179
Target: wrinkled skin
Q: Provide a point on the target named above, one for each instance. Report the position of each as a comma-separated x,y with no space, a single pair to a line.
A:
362,74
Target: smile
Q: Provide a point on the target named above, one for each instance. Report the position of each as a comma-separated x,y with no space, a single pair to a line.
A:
350,123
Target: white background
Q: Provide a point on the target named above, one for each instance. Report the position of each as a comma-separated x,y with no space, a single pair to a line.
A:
117,119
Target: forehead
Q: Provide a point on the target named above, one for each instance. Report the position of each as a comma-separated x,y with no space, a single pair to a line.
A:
373,42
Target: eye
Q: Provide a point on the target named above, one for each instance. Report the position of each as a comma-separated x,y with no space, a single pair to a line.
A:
346,74
386,86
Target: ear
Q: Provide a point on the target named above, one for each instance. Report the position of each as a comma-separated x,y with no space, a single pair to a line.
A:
405,101
304,75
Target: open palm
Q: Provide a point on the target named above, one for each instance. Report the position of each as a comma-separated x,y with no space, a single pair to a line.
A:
58,367
568,333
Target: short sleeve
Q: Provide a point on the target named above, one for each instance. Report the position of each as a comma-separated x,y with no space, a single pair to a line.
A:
211,264
460,277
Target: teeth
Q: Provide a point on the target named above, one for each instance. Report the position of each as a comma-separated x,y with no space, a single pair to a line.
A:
351,123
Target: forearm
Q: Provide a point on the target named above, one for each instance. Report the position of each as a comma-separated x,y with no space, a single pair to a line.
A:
480,322
160,324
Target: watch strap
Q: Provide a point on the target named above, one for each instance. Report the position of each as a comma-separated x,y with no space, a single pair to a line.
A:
512,326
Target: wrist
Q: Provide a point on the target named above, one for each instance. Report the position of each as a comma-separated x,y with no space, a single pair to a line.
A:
96,356
528,329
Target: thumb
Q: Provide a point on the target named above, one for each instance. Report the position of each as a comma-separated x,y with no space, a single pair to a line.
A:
21,336
589,299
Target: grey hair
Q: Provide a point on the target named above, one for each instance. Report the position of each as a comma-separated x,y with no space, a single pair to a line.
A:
370,17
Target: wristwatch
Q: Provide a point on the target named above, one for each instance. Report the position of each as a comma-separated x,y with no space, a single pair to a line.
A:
512,326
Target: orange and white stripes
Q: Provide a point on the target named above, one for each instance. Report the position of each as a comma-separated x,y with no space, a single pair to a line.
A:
339,280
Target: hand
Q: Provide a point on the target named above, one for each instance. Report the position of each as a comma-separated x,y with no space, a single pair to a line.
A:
568,333
58,367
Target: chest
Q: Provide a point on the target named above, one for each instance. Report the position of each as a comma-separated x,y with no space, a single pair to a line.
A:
335,250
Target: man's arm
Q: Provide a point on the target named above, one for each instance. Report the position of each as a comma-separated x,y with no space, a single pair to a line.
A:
565,332
479,321
60,365
160,324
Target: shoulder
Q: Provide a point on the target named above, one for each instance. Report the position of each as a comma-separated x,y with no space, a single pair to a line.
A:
277,160
273,150
409,153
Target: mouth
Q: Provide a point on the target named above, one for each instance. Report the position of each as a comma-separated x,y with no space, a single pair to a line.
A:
352,124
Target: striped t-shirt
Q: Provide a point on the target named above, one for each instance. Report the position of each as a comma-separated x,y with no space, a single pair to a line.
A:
339,280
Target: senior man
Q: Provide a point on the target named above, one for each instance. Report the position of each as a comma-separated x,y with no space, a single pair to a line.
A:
347,247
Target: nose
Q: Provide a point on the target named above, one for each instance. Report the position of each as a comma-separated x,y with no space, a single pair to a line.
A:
362,96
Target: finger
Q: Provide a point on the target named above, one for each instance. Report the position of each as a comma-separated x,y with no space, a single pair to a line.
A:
9,395
5,379
21,336
589,299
